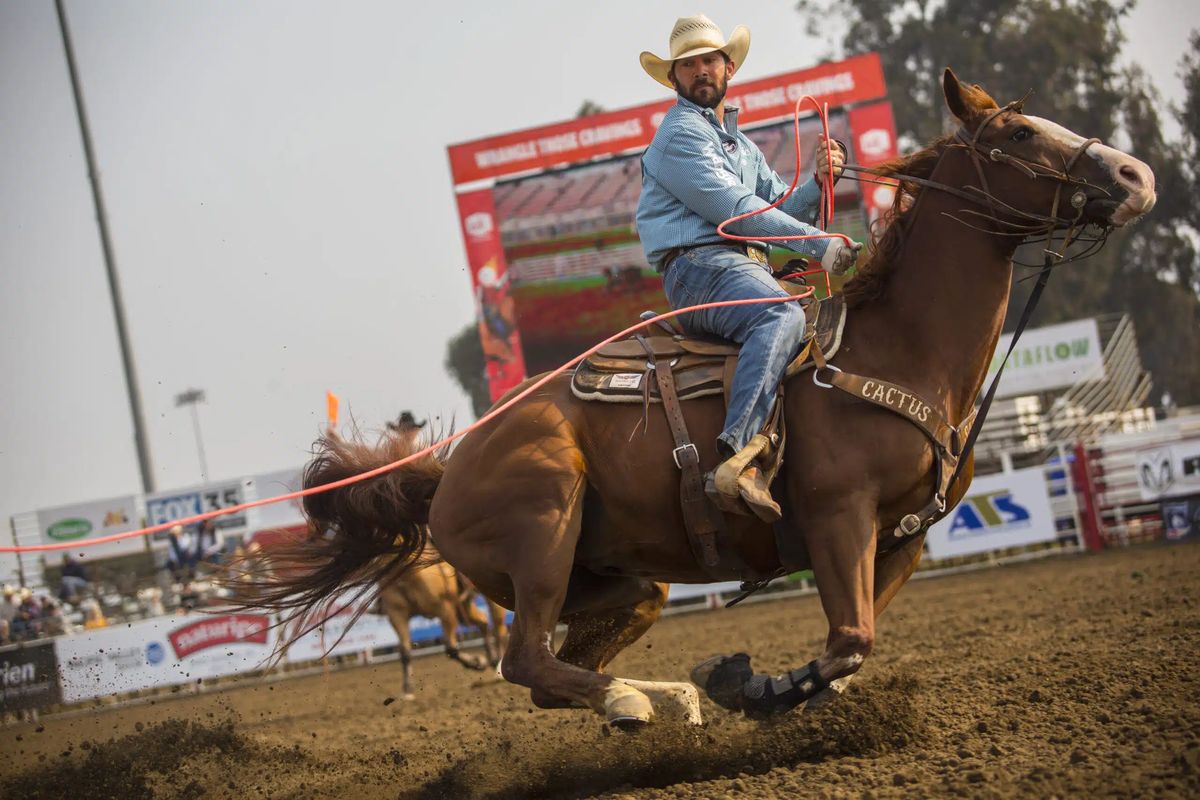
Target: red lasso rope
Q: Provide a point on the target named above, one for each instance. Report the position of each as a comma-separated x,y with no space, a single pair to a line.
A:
827,211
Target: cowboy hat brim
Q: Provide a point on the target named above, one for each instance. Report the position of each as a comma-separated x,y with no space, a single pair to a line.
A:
736,48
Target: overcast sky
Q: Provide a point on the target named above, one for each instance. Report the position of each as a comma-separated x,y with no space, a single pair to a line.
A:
281,208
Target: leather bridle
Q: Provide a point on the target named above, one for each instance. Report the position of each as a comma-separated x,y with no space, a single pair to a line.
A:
1001,218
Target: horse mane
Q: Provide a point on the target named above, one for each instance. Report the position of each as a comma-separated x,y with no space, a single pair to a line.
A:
888,232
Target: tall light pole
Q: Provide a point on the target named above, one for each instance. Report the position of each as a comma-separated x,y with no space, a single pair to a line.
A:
191,398
110,265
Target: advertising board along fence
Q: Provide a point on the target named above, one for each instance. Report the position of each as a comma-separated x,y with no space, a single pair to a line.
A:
28,676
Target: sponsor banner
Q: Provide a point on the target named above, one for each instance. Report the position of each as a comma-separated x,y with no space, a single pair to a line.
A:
1053,357
28,677
179,503
370,632
1181,518
493,303
92,520
276,516
873,141
1169,470
88,520
1005,510
854,80
165,651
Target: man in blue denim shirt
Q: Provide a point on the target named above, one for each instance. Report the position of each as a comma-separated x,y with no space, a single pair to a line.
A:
698,172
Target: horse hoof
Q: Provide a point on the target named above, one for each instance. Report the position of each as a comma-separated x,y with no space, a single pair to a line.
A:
625,704
677,702
722,678
825,697
628,724
408,696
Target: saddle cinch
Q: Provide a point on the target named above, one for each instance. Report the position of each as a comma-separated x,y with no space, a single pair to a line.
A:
670,369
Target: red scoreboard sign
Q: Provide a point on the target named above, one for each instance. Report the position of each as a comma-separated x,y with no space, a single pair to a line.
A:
480,168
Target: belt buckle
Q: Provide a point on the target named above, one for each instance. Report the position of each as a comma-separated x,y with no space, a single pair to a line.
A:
689,447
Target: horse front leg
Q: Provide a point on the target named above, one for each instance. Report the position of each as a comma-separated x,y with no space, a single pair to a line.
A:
841,546
892,570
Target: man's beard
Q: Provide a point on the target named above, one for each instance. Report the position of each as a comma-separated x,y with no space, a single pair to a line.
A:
709,99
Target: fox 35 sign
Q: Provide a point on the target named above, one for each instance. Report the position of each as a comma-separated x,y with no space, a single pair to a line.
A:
1006,510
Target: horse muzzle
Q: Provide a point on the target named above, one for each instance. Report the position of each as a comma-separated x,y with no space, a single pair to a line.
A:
1132,179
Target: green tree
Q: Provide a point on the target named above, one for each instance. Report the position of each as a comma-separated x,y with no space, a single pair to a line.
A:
465,363
1069,53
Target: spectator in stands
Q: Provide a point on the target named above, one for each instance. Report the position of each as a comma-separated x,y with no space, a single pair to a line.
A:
210,543
74,581
53,623
5,632
93,615
28,622
8,608
181,554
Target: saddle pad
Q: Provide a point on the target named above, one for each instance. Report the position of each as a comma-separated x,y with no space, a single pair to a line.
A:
620,372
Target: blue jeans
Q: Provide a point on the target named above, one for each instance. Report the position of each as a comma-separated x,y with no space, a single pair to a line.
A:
769,333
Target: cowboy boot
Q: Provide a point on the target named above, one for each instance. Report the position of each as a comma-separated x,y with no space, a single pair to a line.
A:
738,484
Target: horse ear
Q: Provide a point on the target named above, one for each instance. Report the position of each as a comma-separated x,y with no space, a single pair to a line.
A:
954,95
965,101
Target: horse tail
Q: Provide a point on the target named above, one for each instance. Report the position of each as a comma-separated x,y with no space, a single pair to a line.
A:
358,535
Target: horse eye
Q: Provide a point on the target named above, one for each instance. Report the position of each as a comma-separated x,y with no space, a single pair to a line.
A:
1023,133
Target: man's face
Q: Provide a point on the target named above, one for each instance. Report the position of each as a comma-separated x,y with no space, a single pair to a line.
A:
703,79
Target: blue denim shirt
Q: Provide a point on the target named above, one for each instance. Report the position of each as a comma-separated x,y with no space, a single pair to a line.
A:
696,175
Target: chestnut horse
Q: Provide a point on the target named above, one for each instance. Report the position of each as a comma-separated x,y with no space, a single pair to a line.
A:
438,591
555,511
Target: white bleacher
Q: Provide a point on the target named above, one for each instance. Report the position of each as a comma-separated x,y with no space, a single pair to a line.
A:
576,264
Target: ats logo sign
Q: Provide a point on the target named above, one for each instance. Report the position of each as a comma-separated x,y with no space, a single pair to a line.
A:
994,512
1009,509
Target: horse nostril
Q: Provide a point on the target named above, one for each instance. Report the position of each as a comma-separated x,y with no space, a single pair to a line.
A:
1130,175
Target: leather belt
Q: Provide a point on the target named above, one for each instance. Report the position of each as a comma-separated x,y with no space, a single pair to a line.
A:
752,251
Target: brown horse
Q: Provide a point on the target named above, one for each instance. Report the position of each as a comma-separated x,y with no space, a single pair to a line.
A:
555,510
438,591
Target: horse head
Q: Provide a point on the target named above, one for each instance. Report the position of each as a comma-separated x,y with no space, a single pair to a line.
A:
1038,173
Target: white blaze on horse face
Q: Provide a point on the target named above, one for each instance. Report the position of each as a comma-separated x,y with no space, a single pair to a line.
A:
1130,174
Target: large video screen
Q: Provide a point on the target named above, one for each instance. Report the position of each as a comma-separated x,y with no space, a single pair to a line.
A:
576,270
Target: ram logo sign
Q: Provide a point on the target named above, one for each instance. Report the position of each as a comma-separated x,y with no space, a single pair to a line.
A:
1000,511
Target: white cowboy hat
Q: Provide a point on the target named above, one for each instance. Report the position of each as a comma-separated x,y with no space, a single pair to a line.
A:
694,36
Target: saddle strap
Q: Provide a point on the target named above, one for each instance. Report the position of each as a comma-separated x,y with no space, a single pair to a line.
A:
698,514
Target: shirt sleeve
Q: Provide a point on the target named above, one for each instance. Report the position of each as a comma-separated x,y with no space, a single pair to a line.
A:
805,202
691,167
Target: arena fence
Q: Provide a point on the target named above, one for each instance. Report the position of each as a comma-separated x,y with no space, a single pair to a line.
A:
1116,490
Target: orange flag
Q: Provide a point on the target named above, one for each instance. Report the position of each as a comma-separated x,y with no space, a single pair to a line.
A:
331,408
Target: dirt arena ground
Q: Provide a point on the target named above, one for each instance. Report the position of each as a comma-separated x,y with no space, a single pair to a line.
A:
1068,677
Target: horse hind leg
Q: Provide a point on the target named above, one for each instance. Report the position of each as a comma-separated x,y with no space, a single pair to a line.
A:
619,610
448,617
476,617
541,573
398,616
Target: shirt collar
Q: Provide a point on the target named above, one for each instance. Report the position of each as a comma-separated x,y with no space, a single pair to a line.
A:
731,111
